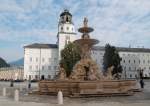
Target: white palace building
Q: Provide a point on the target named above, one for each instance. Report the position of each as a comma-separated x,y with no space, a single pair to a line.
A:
43,59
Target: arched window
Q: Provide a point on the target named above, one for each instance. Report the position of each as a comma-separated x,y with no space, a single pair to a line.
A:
67,19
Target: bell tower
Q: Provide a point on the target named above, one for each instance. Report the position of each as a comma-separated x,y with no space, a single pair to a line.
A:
66,30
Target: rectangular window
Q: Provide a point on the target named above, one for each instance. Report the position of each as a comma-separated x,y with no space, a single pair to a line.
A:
42,67
30,67
49,76
36,67
49,67
49,59
124,68
55,59
30,59
129,61
36,59
55,67
43,59
129,68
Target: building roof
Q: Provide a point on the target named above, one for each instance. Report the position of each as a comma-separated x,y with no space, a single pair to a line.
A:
65,12
39,45
121,49
124,49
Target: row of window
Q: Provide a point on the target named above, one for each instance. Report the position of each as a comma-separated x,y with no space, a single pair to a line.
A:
43,59
44,67
93,52
145,75
36,77
67,28
136,54
134,61
135,68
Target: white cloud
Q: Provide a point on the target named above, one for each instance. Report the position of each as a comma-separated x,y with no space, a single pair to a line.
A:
118,22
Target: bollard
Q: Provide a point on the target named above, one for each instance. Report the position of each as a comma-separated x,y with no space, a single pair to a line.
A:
4,91
60,98
16,95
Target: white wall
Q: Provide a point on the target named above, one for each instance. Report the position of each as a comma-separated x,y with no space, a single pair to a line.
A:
40,62
65,35
97,56
132,61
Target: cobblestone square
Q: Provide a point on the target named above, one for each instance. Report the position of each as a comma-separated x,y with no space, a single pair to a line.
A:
138,99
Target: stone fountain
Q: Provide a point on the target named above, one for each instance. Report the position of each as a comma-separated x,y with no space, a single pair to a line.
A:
86,79
86,69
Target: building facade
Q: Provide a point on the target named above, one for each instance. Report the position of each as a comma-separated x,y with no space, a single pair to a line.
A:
43,59
133,60
11,73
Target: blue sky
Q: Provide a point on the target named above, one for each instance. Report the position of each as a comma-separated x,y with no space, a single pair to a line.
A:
118,22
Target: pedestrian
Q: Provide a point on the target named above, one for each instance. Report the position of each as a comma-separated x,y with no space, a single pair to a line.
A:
29,84
142,83
11,83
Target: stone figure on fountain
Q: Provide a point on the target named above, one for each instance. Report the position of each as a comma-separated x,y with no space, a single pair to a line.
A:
62,73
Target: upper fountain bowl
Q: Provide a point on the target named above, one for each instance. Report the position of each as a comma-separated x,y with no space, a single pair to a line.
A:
85,29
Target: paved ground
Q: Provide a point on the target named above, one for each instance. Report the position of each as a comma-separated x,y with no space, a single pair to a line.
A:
139,99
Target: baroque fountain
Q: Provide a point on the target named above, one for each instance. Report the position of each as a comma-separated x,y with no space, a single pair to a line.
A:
86,79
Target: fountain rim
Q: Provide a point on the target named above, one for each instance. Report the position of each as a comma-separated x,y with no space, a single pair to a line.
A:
86,41
85,29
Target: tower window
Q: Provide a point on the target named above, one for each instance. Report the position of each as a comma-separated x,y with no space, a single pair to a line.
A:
67,19
61,28
124,61
67,28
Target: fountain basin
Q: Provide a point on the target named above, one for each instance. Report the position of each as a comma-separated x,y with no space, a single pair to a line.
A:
88,88
85,29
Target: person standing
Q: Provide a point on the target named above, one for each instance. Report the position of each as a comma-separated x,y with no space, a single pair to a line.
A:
142,83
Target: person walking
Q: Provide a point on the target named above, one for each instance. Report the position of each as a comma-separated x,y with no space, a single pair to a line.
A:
142,83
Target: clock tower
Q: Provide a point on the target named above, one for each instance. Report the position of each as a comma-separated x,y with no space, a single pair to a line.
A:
66,30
